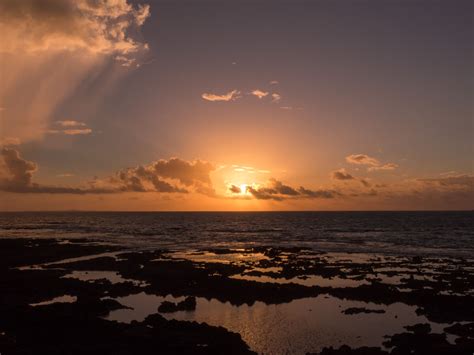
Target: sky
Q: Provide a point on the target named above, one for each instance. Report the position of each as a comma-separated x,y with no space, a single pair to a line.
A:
236,105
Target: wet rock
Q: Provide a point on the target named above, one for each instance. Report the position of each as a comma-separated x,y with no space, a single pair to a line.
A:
346,350
358,310
420,328
464,330
188,304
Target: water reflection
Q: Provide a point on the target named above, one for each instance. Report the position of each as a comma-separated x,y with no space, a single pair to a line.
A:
297,327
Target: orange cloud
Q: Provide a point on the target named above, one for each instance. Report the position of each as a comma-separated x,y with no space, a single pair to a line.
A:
276,97
388,166
374,164
230,96
362,159
98,27
70,128
70,123
75,132
259,93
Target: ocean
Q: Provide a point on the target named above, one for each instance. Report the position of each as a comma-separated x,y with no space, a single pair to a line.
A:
397,233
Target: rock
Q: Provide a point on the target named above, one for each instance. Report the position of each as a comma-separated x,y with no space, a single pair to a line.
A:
189,304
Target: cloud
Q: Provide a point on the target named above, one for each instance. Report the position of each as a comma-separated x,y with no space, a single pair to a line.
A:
7,141
341,174
235,189
125,61
188,173
373,163
16,175
75,132
165,176
65,175
259,93
322,193
172,176
70,128
362,159
365,182
276,190
230,96
70,123
48,48
274,82
69,25
461,181
276,97
20,171
388,166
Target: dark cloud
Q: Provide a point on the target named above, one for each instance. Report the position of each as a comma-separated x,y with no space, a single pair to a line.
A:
165,176
365,182
235,189
342,175
282,189
188,173
276,190
318,193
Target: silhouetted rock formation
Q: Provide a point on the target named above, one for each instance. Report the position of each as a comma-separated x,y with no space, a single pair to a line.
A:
189,304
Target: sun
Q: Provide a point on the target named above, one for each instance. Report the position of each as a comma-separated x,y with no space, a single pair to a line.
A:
243,189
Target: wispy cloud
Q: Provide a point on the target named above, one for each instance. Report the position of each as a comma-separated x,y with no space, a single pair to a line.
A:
70,123
259,93
76,132
70,128
230,96
372,163
388,166
276,97
362,159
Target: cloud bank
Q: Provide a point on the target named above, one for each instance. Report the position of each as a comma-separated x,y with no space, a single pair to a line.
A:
278,191
167,176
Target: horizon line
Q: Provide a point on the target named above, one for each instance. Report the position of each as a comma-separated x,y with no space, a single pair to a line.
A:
227,211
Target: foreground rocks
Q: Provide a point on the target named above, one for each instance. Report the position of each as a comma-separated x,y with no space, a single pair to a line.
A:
441,289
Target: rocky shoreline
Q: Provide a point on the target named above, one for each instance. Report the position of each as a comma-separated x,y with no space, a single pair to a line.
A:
35,270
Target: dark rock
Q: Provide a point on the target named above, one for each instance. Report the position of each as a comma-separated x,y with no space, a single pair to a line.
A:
189,304
358,310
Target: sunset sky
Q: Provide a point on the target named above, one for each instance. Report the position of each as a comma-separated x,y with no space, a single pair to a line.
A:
236,105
